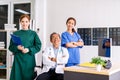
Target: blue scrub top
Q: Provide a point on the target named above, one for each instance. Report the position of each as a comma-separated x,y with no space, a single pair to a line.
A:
107,52
74,53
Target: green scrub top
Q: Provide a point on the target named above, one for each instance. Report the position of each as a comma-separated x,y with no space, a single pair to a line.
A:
23,64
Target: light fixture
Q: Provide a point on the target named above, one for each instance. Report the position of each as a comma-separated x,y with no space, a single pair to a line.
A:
22,11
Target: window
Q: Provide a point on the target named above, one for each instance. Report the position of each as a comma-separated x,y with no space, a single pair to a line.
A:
90,36
98,33
10,12
19,9
85,34
114,33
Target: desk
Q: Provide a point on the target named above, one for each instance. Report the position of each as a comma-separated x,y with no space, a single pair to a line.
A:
85,73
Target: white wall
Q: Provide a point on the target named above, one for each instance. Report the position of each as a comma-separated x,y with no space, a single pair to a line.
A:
40,19
88,13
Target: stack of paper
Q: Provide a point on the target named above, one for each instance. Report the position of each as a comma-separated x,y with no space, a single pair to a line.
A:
2,45
10,27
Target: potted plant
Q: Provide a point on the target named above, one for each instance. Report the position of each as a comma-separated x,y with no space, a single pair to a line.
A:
99,63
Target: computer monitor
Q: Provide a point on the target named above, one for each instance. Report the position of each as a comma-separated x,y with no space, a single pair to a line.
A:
104,47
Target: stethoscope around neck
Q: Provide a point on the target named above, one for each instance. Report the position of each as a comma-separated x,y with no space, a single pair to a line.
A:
59,50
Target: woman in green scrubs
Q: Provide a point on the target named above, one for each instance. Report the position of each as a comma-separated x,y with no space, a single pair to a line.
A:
24,54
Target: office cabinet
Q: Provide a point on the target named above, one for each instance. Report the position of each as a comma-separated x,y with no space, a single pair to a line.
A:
5,54
88,73
3,63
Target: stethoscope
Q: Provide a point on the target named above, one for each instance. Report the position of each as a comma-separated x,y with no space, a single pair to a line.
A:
52,49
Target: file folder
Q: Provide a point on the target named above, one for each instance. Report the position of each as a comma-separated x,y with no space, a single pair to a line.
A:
87,64
16,39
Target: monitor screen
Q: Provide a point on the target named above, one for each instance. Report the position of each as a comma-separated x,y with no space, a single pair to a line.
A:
104,47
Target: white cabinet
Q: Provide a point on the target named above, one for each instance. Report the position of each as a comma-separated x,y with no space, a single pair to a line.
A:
5,54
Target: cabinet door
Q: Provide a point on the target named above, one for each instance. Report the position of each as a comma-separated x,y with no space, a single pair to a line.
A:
3,54
3,40
3,68
3,15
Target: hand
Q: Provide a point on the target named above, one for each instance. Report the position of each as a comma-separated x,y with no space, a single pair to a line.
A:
75,43
52,59
20,47
25,50
107,44
80,43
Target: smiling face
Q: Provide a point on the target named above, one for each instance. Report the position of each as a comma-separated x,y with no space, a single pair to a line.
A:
71,22
25,23
55,40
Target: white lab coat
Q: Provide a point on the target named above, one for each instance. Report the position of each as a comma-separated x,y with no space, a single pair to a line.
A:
62,59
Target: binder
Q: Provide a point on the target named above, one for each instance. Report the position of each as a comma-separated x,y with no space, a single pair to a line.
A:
87,64
16,39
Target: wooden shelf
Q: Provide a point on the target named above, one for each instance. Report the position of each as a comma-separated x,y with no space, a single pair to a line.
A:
2,30
6,30
3,49
3,68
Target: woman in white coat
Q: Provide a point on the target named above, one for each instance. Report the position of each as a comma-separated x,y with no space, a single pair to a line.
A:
54,59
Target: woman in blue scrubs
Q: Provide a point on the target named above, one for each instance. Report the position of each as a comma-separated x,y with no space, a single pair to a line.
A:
72,41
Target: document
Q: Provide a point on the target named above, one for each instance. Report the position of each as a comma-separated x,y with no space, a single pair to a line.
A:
16,39
87,64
